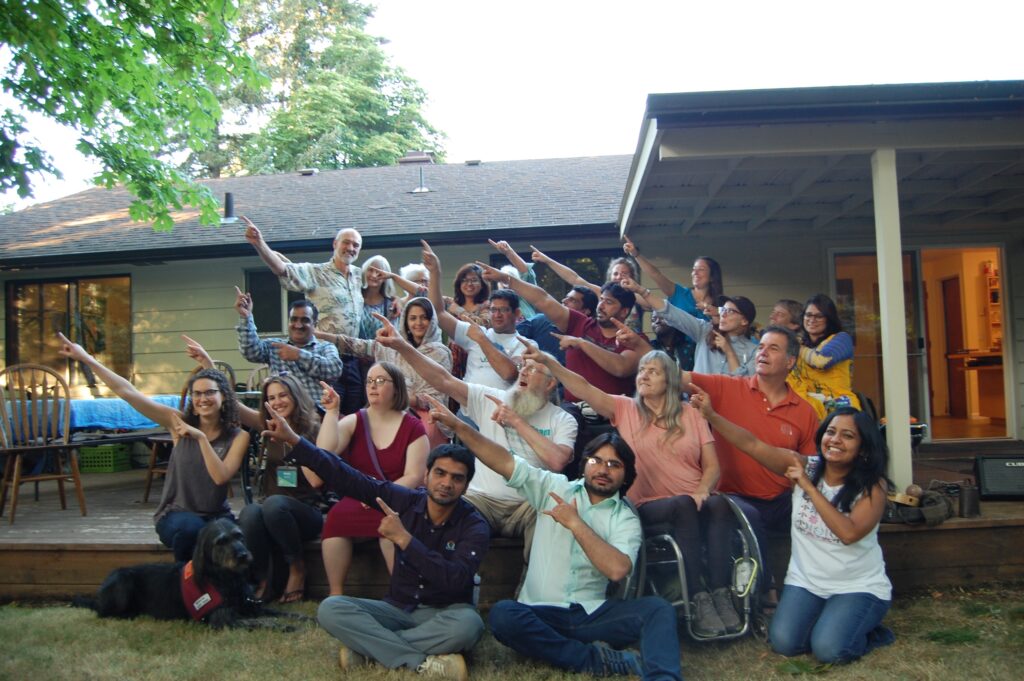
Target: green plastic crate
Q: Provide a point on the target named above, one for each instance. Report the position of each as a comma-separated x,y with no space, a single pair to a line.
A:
104,458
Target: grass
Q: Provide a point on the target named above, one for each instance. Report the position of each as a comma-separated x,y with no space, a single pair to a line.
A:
940,635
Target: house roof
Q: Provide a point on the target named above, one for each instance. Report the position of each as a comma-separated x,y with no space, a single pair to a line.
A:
798,161
302,213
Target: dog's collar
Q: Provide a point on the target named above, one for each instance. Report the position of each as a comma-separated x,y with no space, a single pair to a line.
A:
199,602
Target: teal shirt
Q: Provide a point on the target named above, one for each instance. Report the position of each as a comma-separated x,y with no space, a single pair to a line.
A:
560,573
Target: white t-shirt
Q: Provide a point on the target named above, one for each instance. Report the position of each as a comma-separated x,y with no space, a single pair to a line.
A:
551,421
478,369
824,565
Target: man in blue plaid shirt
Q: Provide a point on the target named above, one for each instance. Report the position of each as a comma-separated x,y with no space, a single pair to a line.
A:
301,354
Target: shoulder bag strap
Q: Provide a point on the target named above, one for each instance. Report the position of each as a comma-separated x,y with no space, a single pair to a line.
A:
369,443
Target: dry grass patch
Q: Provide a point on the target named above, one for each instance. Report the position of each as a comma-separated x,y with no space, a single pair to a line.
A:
942,635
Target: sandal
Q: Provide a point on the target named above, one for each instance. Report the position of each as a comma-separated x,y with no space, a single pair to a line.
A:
291,596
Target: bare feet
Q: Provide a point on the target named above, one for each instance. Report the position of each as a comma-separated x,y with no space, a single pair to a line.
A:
296,586
261,590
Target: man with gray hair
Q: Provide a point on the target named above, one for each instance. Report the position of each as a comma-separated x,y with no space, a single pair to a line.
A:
335,287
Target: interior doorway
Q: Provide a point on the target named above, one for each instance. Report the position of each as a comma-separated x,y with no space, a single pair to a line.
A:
965,349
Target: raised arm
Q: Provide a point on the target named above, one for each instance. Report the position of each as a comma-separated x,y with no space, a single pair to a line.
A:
620,364
267,255
347,345
433,373
410,287
514,258
541,300
599,400
666,285
335,432
564,272
250,418
220,470
445,319
490,453
146,406
554,456
775,459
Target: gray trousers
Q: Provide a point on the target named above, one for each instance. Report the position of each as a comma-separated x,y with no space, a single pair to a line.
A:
395,638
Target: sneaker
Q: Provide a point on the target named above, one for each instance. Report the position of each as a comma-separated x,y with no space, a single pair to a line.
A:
722,598
618,662
706,621
349,659
451,666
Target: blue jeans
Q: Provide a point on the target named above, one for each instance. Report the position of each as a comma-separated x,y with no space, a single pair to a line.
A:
564,637
840,628
178,530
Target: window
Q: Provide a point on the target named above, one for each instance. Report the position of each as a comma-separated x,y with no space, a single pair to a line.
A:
270,301
95,312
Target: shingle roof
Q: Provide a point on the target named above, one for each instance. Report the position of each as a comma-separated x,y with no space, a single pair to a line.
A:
302,212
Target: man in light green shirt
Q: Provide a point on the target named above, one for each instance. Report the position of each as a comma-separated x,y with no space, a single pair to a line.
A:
587,534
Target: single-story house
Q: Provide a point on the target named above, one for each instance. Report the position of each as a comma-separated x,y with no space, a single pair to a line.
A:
905,203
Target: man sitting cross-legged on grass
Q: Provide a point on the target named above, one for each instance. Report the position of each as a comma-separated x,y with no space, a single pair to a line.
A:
427,616
586,535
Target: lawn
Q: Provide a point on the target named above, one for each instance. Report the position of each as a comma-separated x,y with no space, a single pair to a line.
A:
941,635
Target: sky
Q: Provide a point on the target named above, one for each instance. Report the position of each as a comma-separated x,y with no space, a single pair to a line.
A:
560,78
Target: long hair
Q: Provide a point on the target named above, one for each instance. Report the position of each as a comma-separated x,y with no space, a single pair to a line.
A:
485,290
634,271
868,466
387,289
715,285
672,411
304,419
428,310
832,322
228,407
400,401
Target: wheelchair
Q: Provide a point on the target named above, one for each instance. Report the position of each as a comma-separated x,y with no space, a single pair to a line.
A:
254,467
660,572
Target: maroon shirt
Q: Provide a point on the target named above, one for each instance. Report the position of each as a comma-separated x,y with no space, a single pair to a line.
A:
578,361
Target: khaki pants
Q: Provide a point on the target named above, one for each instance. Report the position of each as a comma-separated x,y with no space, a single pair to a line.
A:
507,518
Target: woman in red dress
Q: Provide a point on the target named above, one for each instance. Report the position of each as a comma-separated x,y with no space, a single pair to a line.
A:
394,448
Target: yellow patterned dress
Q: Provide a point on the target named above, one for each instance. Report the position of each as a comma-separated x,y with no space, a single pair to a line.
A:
823,375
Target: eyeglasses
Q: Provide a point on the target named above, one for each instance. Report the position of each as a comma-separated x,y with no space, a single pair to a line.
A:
533,369
501,310
610,464
467,280
726,311
811,315
379,381
197,394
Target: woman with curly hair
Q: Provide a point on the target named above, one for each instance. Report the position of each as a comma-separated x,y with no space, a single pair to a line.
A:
208,449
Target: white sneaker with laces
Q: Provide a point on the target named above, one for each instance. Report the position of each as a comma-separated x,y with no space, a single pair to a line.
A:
451,666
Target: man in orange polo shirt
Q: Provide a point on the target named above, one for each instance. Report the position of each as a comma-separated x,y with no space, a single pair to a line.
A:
765,405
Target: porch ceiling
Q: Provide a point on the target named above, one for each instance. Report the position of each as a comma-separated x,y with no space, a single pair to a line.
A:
725,176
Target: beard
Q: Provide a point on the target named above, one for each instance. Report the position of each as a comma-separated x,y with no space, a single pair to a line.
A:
526,403
605,491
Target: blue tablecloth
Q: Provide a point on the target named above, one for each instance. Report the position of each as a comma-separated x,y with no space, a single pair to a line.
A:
113,414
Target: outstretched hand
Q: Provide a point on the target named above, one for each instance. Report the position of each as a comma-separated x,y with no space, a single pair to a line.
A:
278,429
566,515
182,429
701,401
566,341
537,256
492,273
386,334
441,414
329,399
503,415
502,246
430,259
252,233
391,526
628,338
243,303
629,247
71,350
197,352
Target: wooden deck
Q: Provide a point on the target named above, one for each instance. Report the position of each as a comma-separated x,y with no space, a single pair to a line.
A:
53,554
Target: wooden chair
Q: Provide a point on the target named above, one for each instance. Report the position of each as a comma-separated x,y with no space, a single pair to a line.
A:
35,425
256,378
164,442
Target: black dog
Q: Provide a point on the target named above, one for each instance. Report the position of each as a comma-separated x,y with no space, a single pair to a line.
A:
212,588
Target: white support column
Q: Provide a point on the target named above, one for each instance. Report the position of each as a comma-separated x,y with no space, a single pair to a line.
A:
893,312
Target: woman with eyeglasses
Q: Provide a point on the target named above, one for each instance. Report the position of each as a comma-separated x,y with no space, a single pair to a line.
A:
419,326
208,449
676,475
383,441
823,374
287,511
728,349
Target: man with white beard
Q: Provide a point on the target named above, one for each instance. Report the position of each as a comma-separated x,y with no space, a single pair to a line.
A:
526,421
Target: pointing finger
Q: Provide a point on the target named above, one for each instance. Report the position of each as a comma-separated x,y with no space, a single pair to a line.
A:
384,507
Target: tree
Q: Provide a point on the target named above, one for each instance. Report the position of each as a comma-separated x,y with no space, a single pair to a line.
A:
129,76
335,101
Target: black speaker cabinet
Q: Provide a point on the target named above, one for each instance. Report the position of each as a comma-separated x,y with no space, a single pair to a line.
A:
1000,477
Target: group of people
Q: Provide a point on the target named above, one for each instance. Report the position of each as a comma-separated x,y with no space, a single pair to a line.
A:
573,431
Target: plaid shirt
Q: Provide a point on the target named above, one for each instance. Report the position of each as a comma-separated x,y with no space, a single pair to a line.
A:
318,361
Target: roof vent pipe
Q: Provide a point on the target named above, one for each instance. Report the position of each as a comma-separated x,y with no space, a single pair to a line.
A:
229,210
422,189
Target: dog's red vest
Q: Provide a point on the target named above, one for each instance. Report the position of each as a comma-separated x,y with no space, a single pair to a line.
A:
198,603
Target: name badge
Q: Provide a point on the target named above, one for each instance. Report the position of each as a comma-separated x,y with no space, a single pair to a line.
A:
287,476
